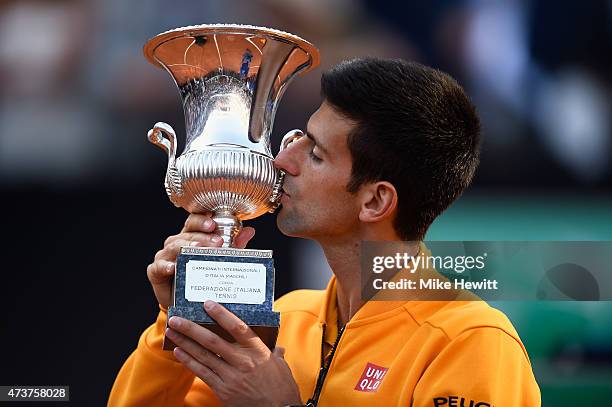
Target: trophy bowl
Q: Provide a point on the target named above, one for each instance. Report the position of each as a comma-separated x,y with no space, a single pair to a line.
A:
230,78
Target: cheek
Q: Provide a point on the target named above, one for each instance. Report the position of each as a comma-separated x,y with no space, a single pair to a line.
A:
326,187
337,203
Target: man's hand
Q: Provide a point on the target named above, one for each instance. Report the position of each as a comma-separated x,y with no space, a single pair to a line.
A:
198,231
244,373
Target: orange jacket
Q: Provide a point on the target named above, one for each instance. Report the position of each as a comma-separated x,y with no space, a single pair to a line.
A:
410,353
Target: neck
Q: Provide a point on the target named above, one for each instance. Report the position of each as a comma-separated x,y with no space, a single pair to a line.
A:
343,259
343,256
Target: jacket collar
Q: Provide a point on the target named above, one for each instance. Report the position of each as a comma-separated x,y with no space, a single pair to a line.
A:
368,312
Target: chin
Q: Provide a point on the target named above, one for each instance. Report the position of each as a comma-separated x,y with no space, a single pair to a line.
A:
289,225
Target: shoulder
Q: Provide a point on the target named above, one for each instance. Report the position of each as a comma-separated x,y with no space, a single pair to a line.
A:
456,317
302,301
478,350
468,318
473,333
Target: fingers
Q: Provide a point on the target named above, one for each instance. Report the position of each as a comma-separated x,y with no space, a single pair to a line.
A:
243,238
231,323
173,244
160,271
163,267
199,222
204,223
209,340
199,353
198,231
203,372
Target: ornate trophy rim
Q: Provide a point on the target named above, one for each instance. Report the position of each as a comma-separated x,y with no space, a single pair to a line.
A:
192,30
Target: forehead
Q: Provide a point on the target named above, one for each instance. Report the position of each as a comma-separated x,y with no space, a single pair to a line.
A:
330,128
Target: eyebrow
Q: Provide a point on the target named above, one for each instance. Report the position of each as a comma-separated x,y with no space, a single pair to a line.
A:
314,140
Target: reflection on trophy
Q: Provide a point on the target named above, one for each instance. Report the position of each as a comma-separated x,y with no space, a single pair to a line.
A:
230,78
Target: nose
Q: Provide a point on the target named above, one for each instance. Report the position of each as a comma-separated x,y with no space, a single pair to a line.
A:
285,160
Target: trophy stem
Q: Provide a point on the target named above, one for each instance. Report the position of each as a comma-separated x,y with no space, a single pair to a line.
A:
228,226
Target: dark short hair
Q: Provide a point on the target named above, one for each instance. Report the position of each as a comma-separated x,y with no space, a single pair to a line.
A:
415,128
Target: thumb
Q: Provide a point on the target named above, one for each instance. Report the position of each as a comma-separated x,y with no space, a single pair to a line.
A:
245,235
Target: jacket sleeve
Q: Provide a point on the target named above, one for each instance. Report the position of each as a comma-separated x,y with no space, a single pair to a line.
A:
152,377
482,367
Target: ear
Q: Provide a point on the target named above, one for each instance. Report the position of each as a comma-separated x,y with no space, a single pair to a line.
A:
379,202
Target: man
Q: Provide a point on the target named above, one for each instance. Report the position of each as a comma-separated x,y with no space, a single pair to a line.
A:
392,146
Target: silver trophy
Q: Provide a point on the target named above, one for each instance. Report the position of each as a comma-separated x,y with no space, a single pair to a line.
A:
231,78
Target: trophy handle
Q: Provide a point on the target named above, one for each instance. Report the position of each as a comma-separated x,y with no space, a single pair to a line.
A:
164,137
288,138
167,143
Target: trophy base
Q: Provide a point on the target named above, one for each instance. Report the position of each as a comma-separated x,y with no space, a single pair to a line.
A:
241,280
265,324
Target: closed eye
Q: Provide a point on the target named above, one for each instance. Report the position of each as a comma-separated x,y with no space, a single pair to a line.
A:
313,156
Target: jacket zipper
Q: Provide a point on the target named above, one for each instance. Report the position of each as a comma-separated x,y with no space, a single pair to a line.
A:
314,400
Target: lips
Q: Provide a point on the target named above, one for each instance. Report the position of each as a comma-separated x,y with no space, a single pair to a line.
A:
284,196
285,192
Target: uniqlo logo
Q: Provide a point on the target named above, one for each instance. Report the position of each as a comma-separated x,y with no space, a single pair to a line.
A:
371,378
